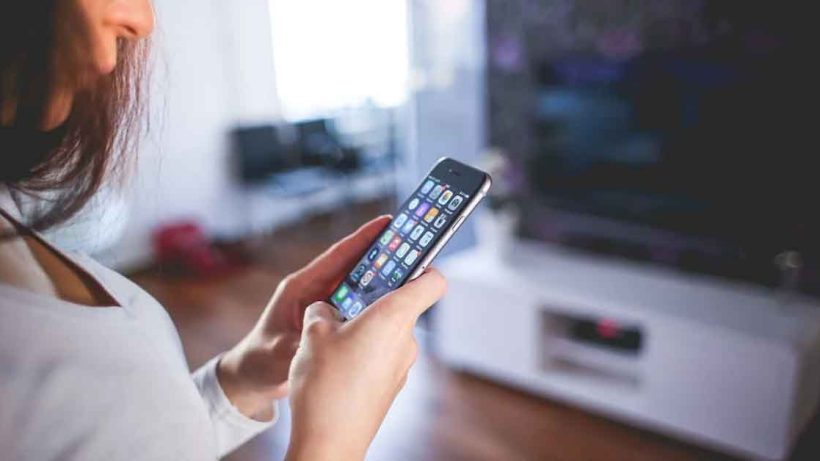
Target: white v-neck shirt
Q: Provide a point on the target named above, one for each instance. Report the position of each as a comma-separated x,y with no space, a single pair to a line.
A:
80,383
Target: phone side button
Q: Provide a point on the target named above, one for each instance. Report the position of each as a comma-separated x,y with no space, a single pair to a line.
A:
458,223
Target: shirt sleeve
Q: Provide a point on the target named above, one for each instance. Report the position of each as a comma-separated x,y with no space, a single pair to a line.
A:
232,428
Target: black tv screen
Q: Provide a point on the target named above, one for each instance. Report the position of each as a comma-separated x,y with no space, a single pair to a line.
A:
686,138
261,153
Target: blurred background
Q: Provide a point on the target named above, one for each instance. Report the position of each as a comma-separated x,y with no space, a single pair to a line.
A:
642,281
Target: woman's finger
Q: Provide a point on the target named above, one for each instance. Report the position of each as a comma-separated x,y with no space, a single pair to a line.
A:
320,319
414,298
334,264
321,311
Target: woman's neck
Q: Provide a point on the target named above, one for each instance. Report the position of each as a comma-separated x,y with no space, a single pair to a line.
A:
19,266
26,262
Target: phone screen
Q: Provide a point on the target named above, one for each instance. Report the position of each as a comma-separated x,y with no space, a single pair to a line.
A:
420,223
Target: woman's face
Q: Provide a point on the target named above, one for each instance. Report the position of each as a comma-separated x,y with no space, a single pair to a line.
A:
92,30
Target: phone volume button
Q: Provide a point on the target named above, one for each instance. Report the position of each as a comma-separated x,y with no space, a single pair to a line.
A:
458,223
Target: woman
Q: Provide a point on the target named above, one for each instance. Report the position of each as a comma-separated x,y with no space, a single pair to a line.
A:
91,366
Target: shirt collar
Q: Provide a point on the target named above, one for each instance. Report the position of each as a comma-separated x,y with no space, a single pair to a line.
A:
8,203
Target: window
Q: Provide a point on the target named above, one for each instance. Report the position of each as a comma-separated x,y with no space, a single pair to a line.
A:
331,55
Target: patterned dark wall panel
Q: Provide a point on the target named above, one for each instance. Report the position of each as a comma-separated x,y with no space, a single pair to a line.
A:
524,34
666,130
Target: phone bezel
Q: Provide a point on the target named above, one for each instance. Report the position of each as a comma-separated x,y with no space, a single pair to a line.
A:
472,182
454,172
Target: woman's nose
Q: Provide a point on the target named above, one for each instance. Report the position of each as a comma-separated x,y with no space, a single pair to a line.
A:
132,18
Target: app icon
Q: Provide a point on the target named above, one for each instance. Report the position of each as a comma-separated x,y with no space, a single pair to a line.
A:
347,302
386,237
413,204
436,192
388,268
428,237
357,274
411,257
455,203
373,253
394,243
380,262
366,278
422,209
403,249
395,277
417,232
441,221
408,226
355,310
445,197
427,186
341,293
398,222
431,215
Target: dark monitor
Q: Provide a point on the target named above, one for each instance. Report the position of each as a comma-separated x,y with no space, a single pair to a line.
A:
261,153
317,144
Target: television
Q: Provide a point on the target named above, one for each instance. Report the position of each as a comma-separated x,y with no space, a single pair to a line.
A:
261,152
680,135
320,145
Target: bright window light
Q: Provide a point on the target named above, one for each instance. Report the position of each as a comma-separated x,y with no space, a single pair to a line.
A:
331,55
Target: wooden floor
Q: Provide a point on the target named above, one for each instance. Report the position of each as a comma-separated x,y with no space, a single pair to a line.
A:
441,414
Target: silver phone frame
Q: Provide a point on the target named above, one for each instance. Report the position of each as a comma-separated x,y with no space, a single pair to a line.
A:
451,231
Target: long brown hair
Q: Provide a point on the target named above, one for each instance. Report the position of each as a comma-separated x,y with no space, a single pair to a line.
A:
65,167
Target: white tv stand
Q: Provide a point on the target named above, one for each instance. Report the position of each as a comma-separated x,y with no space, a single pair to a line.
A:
727,365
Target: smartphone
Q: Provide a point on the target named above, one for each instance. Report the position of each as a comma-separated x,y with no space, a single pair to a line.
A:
417,234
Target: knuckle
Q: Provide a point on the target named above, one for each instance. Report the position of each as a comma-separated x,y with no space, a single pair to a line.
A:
291,281
321,305
317,328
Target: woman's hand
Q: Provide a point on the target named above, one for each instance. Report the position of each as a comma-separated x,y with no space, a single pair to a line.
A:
255,371
346,375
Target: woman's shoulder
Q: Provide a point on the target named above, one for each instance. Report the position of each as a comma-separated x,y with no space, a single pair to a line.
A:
109,371
114,378
30,317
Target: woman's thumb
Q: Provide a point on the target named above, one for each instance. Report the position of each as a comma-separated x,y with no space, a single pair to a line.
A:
320,317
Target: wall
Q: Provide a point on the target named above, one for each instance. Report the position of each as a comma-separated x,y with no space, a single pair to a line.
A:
214,69
447,105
